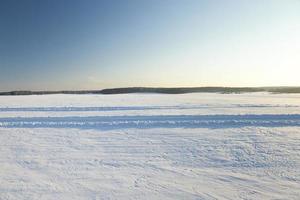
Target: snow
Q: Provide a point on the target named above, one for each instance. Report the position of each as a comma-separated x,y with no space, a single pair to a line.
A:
150,146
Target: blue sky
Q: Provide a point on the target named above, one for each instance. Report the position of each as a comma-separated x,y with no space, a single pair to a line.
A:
94,44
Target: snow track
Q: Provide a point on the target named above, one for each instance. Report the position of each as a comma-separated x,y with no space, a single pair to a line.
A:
160,121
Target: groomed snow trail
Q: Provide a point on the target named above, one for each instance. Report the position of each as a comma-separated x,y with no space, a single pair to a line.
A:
191,146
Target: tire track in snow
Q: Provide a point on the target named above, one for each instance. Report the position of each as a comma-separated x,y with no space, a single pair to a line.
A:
128,108
158,121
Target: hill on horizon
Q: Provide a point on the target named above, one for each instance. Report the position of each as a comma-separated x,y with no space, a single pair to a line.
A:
162,90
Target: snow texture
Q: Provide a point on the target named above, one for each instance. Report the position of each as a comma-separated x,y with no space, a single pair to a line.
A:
150,146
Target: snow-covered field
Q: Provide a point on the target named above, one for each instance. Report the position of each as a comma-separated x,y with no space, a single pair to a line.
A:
150,146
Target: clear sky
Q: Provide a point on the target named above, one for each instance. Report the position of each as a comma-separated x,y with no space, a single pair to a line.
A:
94,44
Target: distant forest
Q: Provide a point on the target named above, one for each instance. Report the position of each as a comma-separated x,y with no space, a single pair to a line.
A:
179,90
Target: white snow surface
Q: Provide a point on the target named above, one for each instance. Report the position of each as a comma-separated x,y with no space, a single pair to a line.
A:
150,146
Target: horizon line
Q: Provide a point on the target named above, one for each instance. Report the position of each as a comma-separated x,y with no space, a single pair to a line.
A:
167,90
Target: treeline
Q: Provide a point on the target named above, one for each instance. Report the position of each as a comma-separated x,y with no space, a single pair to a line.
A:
181,90
13,93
